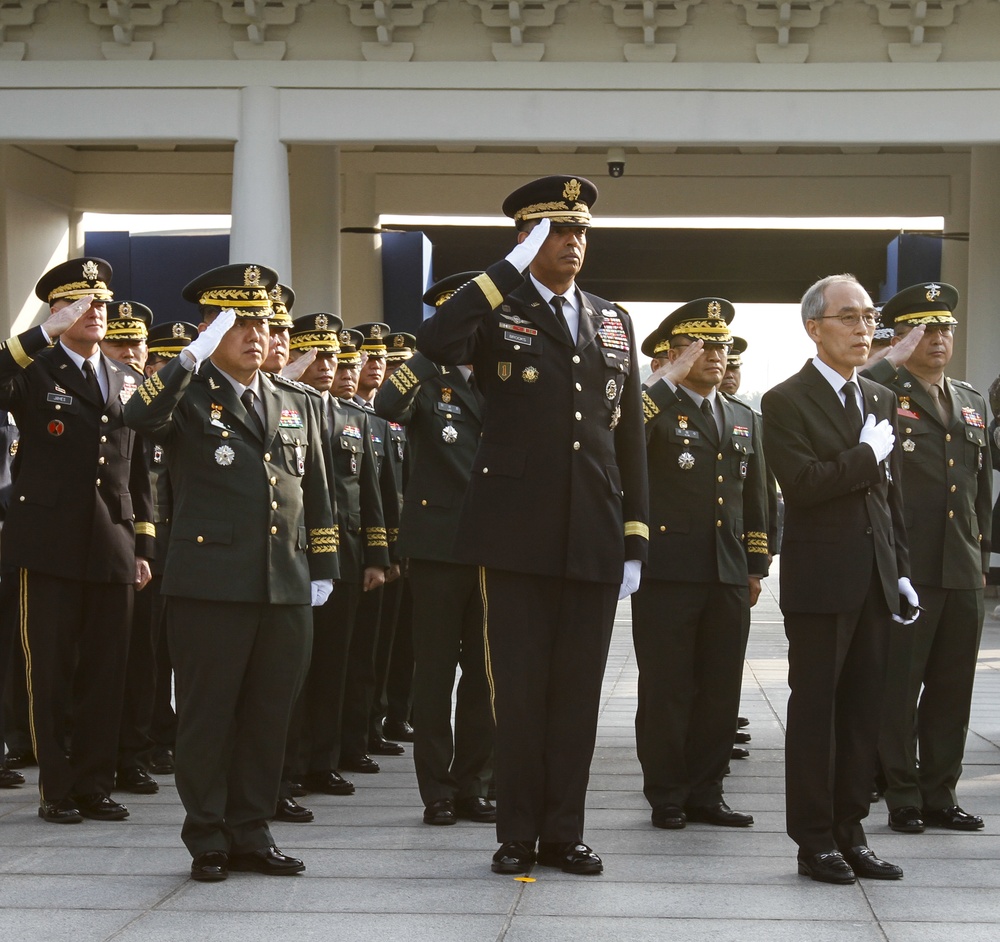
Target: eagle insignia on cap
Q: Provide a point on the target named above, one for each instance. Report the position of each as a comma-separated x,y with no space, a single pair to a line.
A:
571,191
322,321
714,309
933,292
125,309
177,330
90,270
251,276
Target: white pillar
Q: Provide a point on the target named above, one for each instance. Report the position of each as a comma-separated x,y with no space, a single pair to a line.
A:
261,227
361,252
315,201
983,344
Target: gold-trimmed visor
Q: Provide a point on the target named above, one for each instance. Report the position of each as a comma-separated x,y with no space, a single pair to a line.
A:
915,318
559,212
80,289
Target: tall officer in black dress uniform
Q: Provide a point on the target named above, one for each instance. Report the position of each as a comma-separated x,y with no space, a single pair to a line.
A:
556,511
81,480
707,555
947,499
443,415
251,546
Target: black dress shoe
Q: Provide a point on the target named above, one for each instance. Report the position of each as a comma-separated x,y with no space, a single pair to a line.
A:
10,778
513,857
440,812
741,738
953,818
328,783
161,761
63,811
210,867
864,863
136,780
670,817
401,731
295,789
21,760
574,857
720,814
290,810
383,747
739,752
267,860
906,820
742,721
829,867
364,764
475,809
100,807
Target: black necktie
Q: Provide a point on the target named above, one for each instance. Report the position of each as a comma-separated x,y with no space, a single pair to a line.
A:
247,400
706,407
557,304
91,377
851,407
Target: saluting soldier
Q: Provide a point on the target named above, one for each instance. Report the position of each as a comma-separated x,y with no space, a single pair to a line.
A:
556,511
128,329
947,497
707,556
278,326
251,546
443,415
80,477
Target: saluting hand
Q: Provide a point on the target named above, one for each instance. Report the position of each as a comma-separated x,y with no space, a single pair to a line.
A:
675,370
900,352
203,346
61,321
524,252
294,369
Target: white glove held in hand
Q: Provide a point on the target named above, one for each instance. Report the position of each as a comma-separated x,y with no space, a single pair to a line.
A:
879,438
203,346
320,590
630,579
521,255
910,594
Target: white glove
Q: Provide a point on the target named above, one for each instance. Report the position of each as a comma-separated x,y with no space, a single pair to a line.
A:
910,594
321,590
203,346
521,255
630,579
879,438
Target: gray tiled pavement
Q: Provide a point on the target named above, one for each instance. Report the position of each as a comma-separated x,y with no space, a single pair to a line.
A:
374,871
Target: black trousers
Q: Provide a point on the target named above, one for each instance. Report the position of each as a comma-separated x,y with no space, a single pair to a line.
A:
140,684
399,682
238,668
836,672
690,641
448,634
384,647
359,689
547,647
75,641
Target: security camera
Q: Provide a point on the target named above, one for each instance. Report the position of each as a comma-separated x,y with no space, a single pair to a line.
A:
616,162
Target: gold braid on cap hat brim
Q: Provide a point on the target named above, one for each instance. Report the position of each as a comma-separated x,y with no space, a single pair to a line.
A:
280,319
121,329
322,341
249,299
926,317
168,353
349,358
80,289
709,331
375,349
559,211
393,355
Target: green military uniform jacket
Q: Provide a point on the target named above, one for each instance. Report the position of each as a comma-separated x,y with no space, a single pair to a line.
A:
947,480
443,420
707,497
251,516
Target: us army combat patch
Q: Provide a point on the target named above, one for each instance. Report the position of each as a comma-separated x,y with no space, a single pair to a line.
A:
503,370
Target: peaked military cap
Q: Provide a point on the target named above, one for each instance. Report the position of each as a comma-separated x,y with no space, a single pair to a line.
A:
565,200
169,338
76,279
319,332
399,346
705,319
374,338
734,357
883,334
440,291
930,303
282,299
244,288
350,347
128,320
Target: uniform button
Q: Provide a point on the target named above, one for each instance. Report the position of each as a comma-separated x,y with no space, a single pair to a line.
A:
718,523
486,470
663,529
947,437
104,418
576,446
951,462
687,441
274,530
721,501
909,431
225,434
423,503
951,514
576,358
578,416
273,480
100,460
579,388
718,457
953,488
267,456
274,505
98,482
868,530
517,346
720,478
201,539
104,439
58,407
21,498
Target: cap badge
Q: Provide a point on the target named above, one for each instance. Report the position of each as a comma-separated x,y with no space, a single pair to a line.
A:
90,270
714,309
345,336
251,276
571,191
376,332
224,456
177,330
276,293
398,340
322,321
125,309
933,292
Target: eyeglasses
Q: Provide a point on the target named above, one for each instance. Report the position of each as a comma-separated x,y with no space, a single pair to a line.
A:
850,320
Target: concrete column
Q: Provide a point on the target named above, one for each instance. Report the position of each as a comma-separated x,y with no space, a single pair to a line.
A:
361,252
260,204
955,267
316,212
983,344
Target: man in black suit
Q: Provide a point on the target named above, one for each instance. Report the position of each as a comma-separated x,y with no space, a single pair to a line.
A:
80,480
830,441
707,556
251,546
443,417
556,511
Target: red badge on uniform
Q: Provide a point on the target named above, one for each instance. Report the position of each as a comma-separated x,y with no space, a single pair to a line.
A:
56,427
